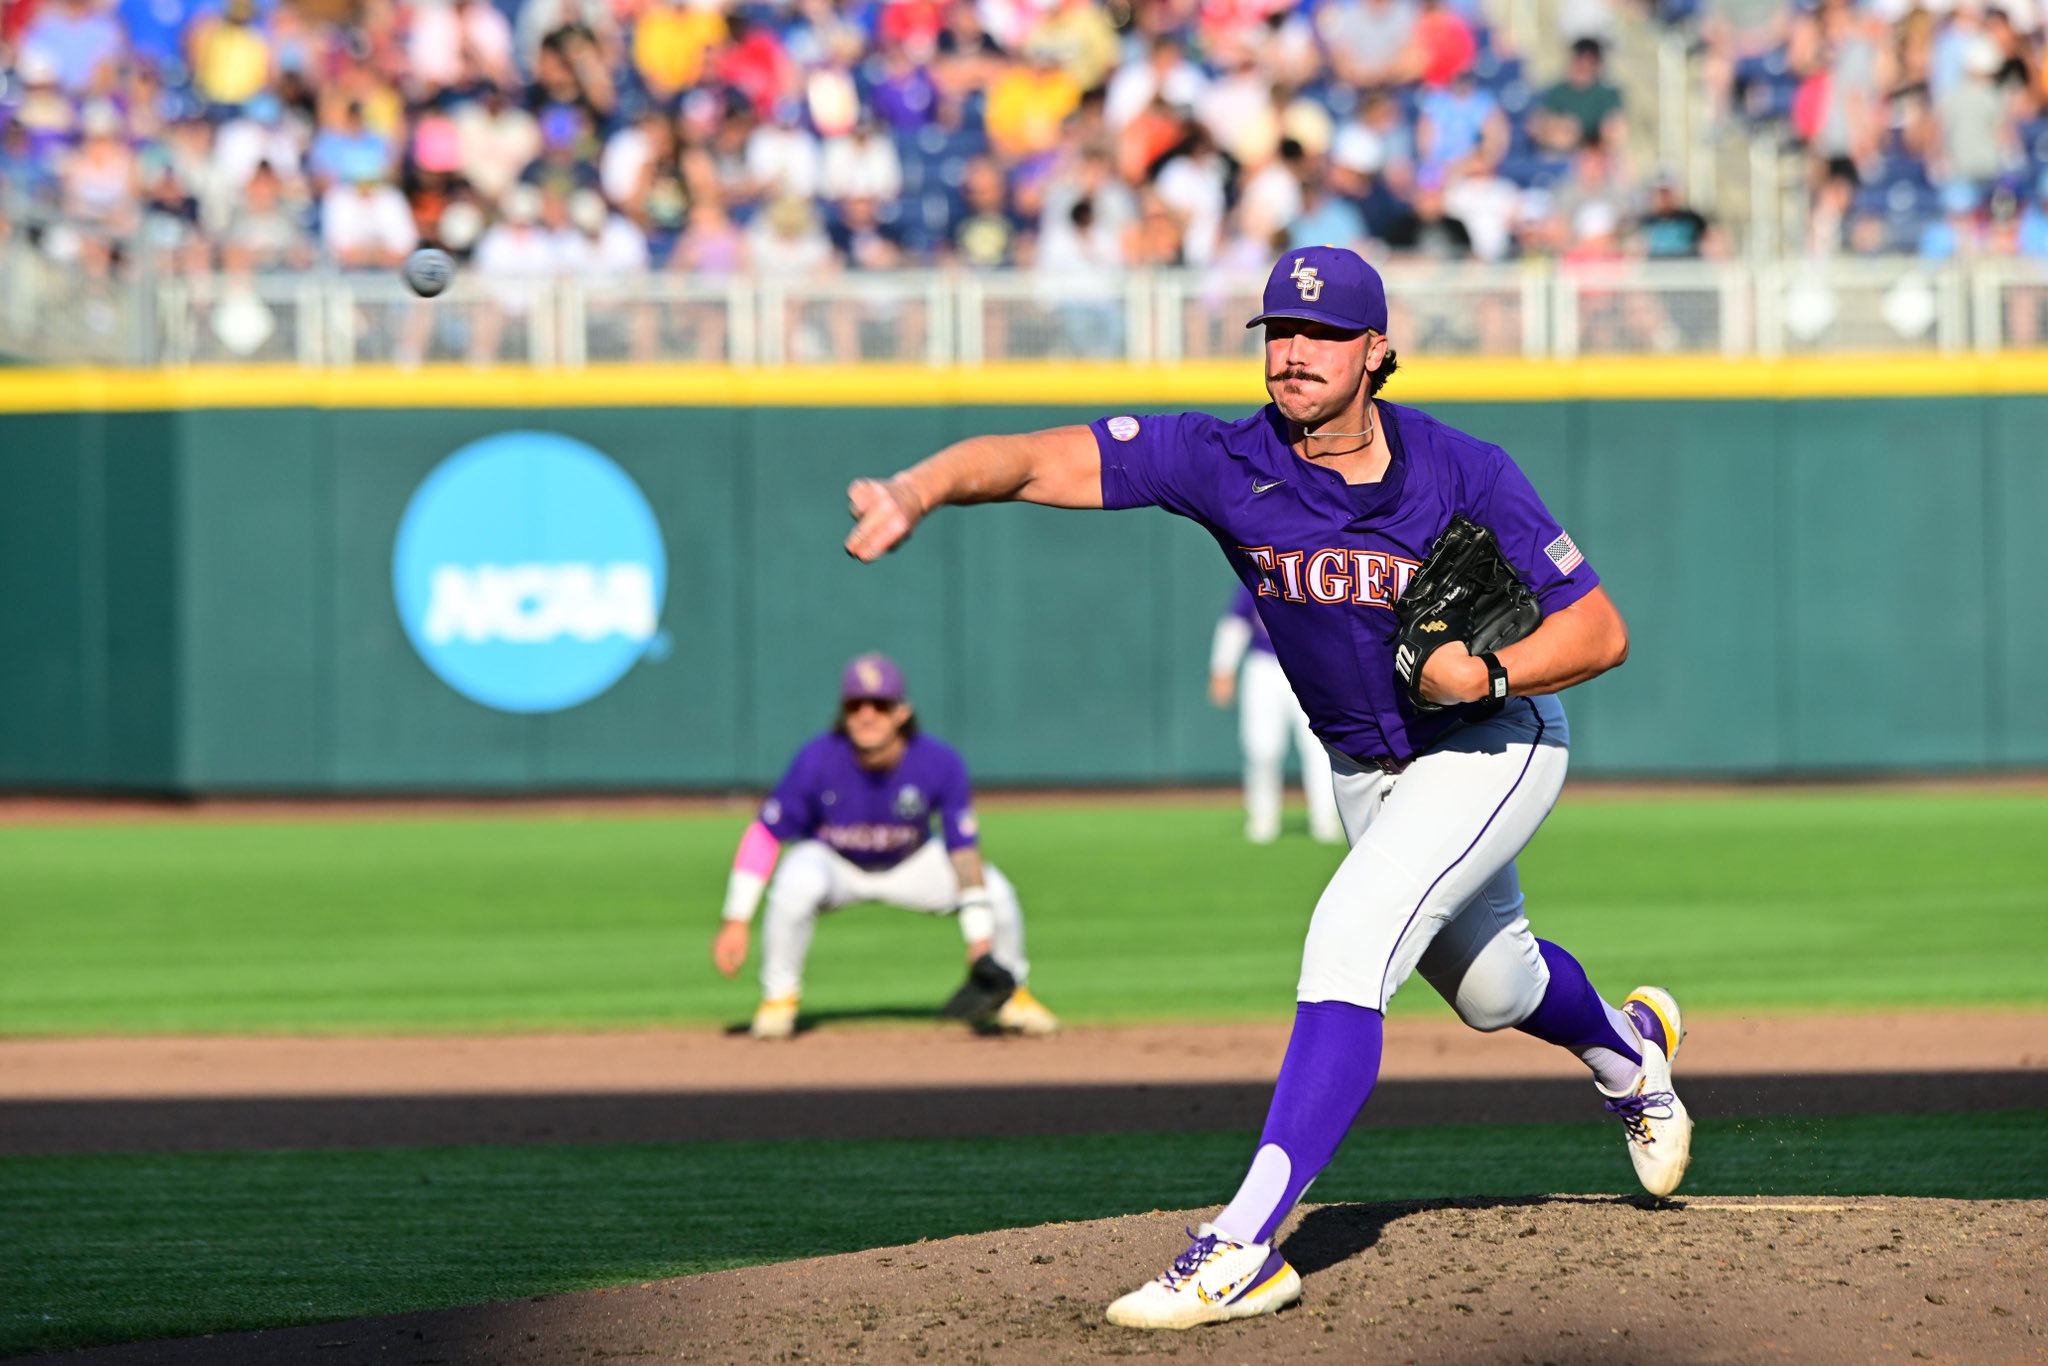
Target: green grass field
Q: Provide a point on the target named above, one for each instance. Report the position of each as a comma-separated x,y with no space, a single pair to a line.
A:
1799,901
1818,901
102,1249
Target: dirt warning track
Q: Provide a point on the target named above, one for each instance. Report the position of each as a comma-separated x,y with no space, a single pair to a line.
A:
186,1094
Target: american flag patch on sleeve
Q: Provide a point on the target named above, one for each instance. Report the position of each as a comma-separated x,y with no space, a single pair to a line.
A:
1564,554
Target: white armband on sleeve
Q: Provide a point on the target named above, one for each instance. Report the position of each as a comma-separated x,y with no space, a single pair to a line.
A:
1226,650
743,895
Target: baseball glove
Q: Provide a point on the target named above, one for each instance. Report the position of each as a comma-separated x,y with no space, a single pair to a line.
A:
1464,591
988,985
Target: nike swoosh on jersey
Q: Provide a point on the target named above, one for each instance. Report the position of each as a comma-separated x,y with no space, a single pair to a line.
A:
1257,487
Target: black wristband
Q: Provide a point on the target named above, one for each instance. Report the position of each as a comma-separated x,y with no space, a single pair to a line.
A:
1496,678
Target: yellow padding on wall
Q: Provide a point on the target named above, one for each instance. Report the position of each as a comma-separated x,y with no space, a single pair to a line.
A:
1101,388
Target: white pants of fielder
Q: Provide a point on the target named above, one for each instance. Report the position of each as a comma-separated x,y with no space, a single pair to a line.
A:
1267,718
812,879
1430,881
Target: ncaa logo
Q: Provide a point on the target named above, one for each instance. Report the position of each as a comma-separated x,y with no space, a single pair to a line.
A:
529,572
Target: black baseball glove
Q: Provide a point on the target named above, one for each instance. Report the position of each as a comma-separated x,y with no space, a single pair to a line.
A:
988,985
1464,591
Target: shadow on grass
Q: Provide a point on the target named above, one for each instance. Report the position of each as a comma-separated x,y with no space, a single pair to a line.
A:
809,1020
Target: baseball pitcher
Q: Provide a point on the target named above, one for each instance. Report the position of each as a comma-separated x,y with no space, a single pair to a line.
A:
855,811
1242,668
1427,609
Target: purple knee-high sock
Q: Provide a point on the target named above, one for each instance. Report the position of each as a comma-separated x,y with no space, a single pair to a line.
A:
1333,1059
1572,1015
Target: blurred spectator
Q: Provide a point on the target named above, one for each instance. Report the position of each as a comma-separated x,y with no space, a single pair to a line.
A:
266,231
597,243
1445,45
365,223
230,53
782,155
518,245
347,151
861,163
1081,38
1371,43
710,244
1582,110
1164,74
752,62
101,184
44,113
76,42
1192,183
568,160
1669,230
1429,230
1325,218
672,41
496,140
1028,103
862,240
1458,123
453,44
788,240
984,235
1486,203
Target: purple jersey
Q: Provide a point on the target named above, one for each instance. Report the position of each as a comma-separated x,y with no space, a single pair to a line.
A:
1326,559
1246,609
875,819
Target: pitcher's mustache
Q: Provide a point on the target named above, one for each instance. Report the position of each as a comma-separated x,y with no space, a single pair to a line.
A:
1298,373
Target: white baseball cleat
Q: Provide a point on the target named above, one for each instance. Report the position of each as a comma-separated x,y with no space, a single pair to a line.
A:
1213,1281
774,1018
1658,1129
1024,1013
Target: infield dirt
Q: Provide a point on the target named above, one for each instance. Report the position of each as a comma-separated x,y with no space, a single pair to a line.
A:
1538,1279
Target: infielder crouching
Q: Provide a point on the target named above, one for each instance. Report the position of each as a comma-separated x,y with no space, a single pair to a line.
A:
855,813
1243,668
1326,502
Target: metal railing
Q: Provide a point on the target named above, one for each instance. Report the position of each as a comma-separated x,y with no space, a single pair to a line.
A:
1535,310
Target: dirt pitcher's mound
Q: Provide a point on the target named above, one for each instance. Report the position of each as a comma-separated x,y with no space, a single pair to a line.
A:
1558,1279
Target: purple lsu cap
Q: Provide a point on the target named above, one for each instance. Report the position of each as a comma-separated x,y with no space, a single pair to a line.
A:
872,676
1332,285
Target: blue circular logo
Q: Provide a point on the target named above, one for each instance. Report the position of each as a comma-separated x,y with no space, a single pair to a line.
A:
529,572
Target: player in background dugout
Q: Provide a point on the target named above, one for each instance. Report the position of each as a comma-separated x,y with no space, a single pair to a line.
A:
855,811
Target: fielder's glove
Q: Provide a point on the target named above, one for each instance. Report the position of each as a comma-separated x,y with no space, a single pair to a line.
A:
988,985
1464,591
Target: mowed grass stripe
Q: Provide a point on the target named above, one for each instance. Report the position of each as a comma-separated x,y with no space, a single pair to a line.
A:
1142,912
110,1248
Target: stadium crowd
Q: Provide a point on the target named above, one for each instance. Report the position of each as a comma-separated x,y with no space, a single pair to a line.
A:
1924,125
612,137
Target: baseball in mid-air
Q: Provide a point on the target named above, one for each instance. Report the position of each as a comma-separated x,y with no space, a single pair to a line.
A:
428,271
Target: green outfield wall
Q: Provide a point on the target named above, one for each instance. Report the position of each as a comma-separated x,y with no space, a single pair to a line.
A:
198,596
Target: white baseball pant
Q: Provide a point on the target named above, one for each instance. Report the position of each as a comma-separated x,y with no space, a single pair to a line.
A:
812,878
1430,880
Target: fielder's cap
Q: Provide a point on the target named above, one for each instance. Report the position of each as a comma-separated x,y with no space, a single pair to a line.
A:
1332,285
875,676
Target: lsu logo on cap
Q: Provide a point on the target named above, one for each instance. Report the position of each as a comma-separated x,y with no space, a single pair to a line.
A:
1306,280
870,675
